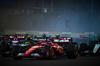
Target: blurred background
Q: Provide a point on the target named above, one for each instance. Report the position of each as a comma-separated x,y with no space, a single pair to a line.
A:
49,16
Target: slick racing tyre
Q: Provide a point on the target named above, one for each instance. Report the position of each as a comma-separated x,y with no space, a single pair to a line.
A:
16,50
72,51
49,52
82,48
5,49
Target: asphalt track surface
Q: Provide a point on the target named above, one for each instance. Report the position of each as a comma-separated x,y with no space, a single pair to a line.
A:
60,61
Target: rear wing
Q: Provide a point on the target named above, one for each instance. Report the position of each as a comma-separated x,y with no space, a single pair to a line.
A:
1,36
19,37
36,39
40,38
61,39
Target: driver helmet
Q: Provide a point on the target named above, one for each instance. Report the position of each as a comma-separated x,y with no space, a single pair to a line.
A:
29,37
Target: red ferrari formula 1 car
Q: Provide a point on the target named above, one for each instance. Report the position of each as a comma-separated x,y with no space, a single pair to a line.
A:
70,48
48,49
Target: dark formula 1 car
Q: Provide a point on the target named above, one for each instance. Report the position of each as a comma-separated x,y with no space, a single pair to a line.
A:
7,45
93,48
48,49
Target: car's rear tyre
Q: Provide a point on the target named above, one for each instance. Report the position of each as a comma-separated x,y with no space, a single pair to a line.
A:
49,52
72,51
16,50
5,48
